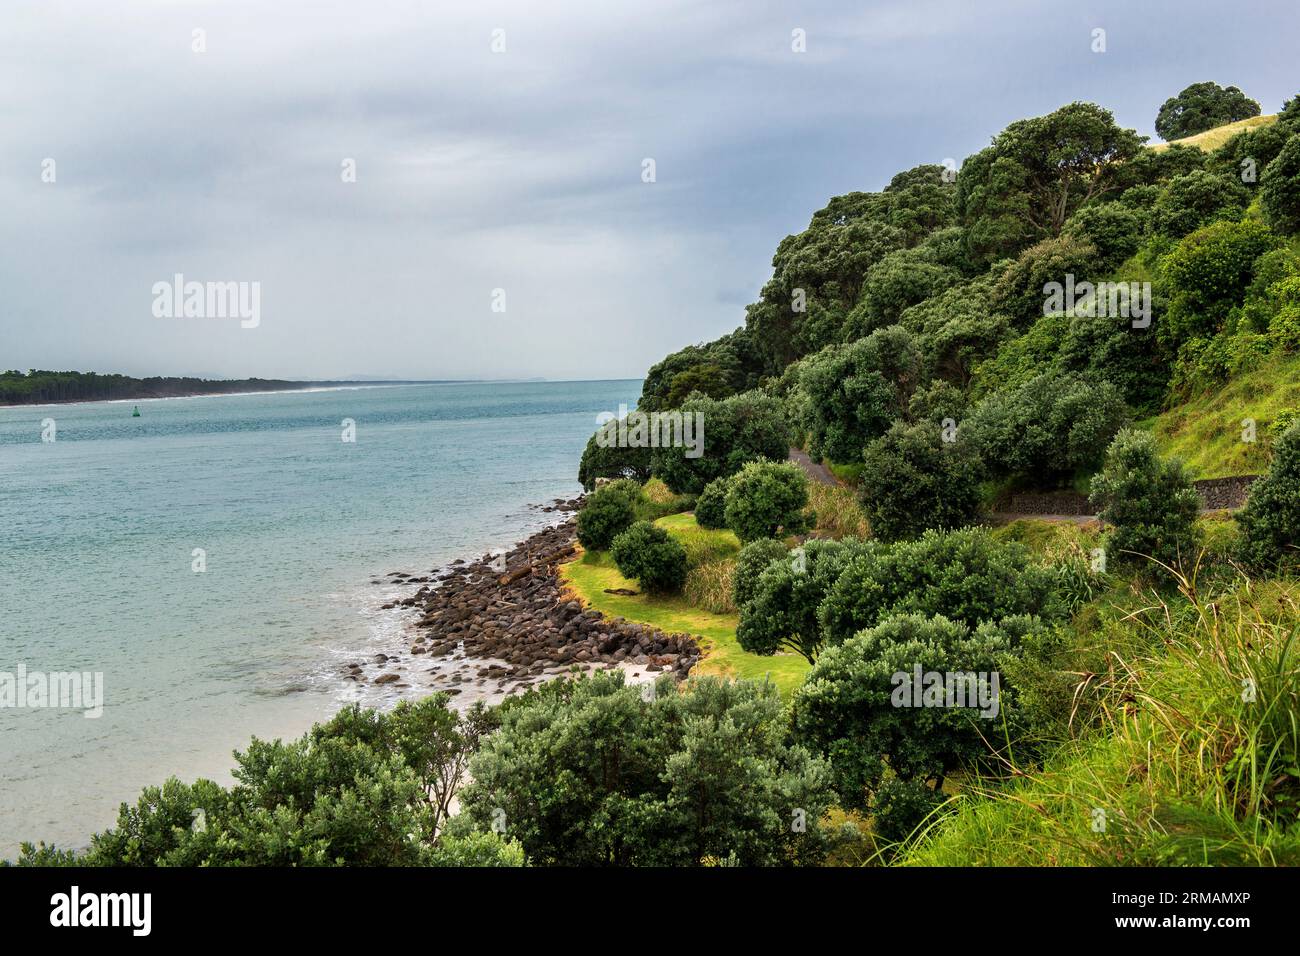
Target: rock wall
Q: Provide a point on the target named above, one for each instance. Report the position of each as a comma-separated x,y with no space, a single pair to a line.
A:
1216,493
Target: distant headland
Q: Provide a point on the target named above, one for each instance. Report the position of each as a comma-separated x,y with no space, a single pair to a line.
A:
41,387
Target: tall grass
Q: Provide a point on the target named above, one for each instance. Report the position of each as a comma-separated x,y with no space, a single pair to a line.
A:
838,513
708,587
1197,761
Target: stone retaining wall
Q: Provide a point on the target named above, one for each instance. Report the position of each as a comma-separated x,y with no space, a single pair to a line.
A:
1215,493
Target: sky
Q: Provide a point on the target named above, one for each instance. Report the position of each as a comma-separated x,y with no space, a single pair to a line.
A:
499,223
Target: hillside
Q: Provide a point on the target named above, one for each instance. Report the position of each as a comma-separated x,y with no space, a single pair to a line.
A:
1209,432
1212,139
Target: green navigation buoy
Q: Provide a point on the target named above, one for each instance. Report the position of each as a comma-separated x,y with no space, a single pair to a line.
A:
136,413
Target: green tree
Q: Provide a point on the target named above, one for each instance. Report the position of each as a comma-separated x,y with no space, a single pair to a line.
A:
1150,503
363,789
854,391
965,575
711,506
912,479
751,562
590,772
1270,522
1052,427
651,556
767,497
1202,106
605,458
1197,199
848,709
608,512
738,429
1208,273
780,613
1279,189
1025,186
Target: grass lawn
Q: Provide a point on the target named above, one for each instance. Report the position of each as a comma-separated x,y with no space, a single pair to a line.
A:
593,572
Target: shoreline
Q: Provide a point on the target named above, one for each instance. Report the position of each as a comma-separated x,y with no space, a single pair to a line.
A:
488,628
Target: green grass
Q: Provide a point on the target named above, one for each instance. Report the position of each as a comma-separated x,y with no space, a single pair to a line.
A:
1050,540
1206,432
703,545
848,474
1212,139
1186,769
592,573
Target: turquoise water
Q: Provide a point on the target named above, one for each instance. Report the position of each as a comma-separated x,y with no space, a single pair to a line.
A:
97,572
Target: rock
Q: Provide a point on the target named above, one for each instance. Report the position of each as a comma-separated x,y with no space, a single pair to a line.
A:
387,678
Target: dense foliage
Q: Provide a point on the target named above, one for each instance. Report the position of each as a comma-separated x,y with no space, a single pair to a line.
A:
648,554
913,479
848,709
608,512
1202,106
364,789
1150,503
766,498
965,575
594,773
1270,522
736,430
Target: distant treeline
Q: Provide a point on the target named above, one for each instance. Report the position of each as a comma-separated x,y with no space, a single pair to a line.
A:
38,386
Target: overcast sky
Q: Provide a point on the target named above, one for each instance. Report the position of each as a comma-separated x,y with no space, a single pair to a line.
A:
518,170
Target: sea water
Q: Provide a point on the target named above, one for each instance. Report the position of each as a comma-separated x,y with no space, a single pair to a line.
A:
215,560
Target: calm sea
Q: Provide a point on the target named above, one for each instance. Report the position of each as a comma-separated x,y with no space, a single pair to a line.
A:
98,555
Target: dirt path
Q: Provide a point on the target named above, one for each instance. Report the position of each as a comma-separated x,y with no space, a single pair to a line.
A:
816,471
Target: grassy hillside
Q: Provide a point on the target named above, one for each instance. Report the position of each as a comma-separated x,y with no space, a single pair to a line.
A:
1206,432
1212,139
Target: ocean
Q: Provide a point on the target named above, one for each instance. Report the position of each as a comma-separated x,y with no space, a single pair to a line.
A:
218,558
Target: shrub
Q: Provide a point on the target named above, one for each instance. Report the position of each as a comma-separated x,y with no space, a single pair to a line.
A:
608,512
781,612
1270,522
1113,228
899,807
1052,427
967,576
364,789
735,430
750,563
1279,189
849,711
913,480
1191,201
1207,273
1150,503
590,773
651,556
710,508
1019,290
767,497
854,391
901,279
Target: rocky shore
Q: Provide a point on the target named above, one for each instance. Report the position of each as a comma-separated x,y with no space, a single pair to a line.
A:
504,622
